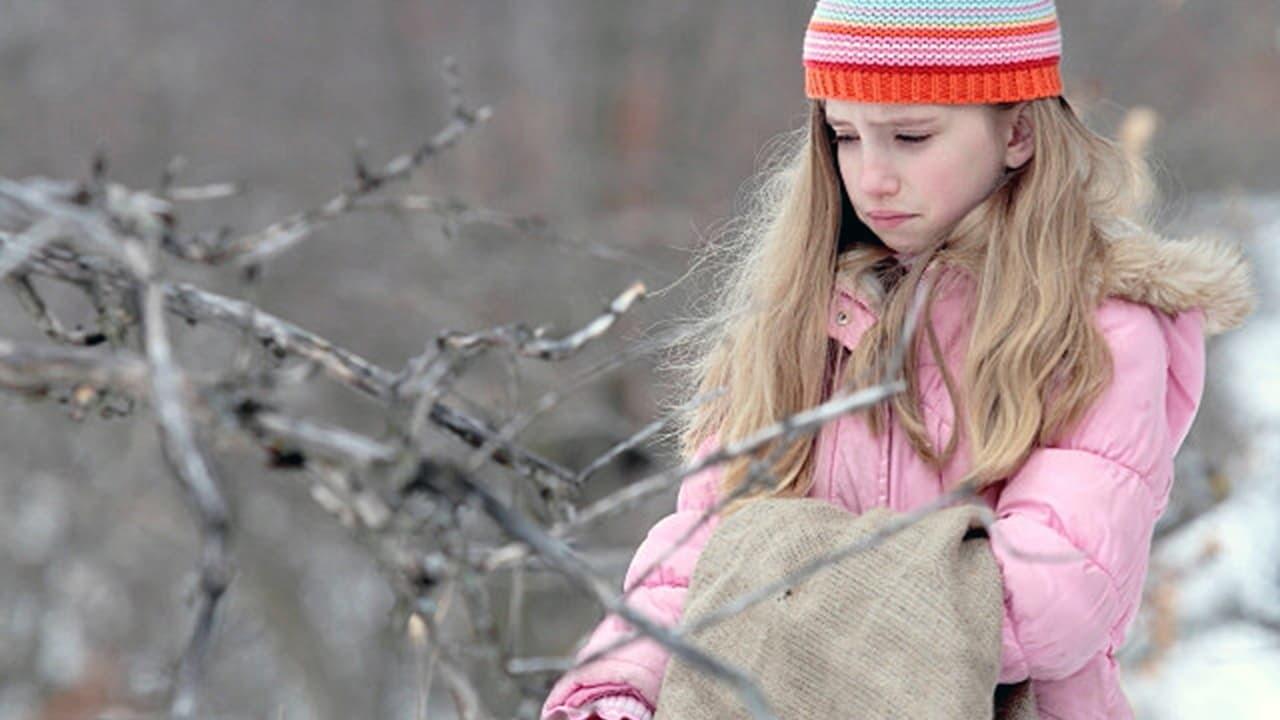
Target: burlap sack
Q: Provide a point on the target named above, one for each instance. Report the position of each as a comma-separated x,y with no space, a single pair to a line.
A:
907,629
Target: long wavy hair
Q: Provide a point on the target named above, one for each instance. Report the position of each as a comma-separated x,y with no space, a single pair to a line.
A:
1035,247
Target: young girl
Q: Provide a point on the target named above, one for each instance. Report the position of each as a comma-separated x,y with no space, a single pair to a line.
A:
1058,360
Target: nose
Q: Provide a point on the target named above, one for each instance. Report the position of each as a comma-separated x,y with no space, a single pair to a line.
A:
877,176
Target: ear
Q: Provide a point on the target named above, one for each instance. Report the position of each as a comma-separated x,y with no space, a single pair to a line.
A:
1019,137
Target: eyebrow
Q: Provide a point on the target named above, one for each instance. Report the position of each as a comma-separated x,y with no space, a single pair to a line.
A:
899,121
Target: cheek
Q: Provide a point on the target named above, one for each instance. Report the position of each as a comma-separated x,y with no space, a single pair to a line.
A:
847,172
956,180
943,182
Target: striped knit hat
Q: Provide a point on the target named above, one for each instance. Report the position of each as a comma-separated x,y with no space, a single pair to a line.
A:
933,51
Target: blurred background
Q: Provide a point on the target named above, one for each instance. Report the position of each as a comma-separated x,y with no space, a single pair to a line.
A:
631,130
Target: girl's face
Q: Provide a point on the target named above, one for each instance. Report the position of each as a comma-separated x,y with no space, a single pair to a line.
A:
913,171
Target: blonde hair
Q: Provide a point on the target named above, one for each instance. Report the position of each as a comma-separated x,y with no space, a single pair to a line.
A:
1035,247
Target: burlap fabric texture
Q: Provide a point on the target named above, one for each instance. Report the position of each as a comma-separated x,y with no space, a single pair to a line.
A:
909,628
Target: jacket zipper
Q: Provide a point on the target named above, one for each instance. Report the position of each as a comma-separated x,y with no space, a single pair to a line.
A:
888,466
832,492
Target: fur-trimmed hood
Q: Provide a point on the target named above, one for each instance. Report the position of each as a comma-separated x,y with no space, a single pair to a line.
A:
1173,275
1170,275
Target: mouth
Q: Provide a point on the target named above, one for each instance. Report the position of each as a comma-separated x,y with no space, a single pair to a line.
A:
888,220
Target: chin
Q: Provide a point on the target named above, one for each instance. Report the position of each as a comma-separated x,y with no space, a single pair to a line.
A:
903,248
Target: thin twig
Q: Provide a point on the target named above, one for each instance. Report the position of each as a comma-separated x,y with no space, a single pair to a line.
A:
804,422
532,344
196,479
281,235
35,306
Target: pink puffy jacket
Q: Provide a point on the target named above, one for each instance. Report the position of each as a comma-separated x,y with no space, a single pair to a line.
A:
1095,496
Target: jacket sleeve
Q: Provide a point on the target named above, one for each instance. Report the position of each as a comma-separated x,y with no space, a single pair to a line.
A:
640,665
1090,502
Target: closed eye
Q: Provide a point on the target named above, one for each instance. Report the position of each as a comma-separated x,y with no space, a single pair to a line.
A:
911,139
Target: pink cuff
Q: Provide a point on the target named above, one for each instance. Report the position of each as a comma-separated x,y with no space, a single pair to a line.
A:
607,702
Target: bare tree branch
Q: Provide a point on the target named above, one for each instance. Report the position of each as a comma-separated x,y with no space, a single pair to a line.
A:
534,345
341,365
284,234
35,367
